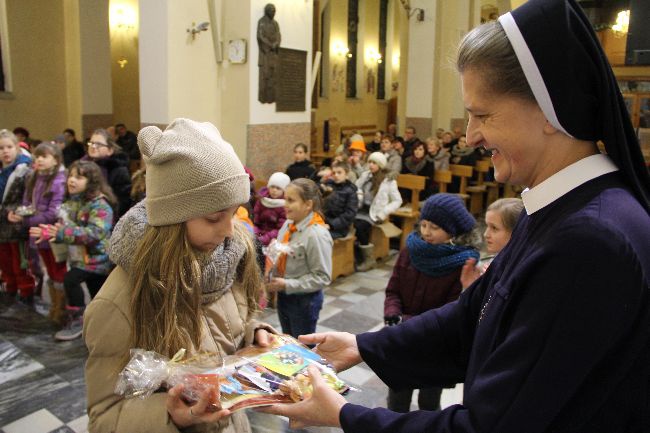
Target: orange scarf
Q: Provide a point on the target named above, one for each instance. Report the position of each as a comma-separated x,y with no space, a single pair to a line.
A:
281,265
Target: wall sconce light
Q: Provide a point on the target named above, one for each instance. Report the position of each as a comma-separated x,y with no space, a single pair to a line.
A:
409,11
622,23
372,56
396,60
340,50
194,30
122,17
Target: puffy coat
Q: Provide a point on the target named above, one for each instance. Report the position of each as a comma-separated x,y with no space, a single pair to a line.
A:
340,207
87,233
386,201
268,220
227,325
411,292
12,198
46,204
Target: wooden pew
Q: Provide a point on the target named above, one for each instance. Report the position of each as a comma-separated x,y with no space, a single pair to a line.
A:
478,190
410,212
442,178
366,131
343,256
464,172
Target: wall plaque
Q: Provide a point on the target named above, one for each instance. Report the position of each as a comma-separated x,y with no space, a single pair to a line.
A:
291,80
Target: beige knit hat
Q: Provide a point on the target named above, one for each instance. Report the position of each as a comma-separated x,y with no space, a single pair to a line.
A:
191,172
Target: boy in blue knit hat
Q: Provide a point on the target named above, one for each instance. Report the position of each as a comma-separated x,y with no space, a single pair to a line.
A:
427,275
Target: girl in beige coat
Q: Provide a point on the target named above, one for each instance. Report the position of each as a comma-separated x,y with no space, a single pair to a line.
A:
187,277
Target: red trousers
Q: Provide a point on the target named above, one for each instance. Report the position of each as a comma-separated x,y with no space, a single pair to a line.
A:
15,278
56,271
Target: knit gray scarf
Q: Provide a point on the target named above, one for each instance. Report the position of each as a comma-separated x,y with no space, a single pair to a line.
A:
219,267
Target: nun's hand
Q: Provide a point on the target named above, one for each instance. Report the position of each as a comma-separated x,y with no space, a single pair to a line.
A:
321,409
338,348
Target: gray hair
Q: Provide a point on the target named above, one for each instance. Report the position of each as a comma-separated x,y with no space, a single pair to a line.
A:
5,133
487,49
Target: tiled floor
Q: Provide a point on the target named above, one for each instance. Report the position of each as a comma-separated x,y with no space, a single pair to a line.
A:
42,381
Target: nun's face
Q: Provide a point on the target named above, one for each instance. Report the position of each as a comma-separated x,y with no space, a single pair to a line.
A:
510,128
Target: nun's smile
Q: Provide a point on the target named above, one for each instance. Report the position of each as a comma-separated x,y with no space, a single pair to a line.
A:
510,128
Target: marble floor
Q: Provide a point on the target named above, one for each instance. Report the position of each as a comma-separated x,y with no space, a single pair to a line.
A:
43,389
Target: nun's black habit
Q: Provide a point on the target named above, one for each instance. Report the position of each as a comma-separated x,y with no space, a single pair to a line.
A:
555,337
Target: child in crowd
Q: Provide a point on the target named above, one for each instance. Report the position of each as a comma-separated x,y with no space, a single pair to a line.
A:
301,166
380,197
500,220
44,193
427,275
393,159
85,223
186,277
341,201
303,275
418,164
357,151
114,164
437,154
269,211
15,168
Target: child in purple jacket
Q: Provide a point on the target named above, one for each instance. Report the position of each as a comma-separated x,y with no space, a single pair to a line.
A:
269,209
44,194
427,275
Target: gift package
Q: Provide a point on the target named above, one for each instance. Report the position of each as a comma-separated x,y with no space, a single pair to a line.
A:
254,376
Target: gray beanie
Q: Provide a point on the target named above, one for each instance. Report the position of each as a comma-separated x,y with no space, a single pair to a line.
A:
191,172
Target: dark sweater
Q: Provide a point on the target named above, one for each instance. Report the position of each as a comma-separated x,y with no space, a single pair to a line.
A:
410,292
555,337
340,207
300,169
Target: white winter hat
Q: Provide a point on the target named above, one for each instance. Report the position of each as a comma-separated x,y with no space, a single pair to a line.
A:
379,159
280,180
191,172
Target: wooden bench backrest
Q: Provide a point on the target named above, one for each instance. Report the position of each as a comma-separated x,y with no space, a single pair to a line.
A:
482,167
464,172
442,178
415,184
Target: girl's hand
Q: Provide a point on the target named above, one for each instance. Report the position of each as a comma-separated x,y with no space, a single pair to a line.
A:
185,415
36,232
262,338
321,409
469,273
338,348
13,218
276,285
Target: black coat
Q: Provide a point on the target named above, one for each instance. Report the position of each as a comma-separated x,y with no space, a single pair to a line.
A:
73,152
301,169
129,145
340,207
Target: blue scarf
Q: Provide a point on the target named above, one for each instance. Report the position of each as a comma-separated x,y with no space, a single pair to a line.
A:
437,260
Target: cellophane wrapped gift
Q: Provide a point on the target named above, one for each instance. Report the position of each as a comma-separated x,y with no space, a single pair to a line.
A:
254,376
273,252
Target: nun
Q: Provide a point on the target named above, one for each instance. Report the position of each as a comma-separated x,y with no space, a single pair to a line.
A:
555,336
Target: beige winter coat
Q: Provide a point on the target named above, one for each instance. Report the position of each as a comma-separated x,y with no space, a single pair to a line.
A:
107,331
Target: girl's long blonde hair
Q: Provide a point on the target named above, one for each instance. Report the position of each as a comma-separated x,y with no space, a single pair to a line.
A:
166,277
